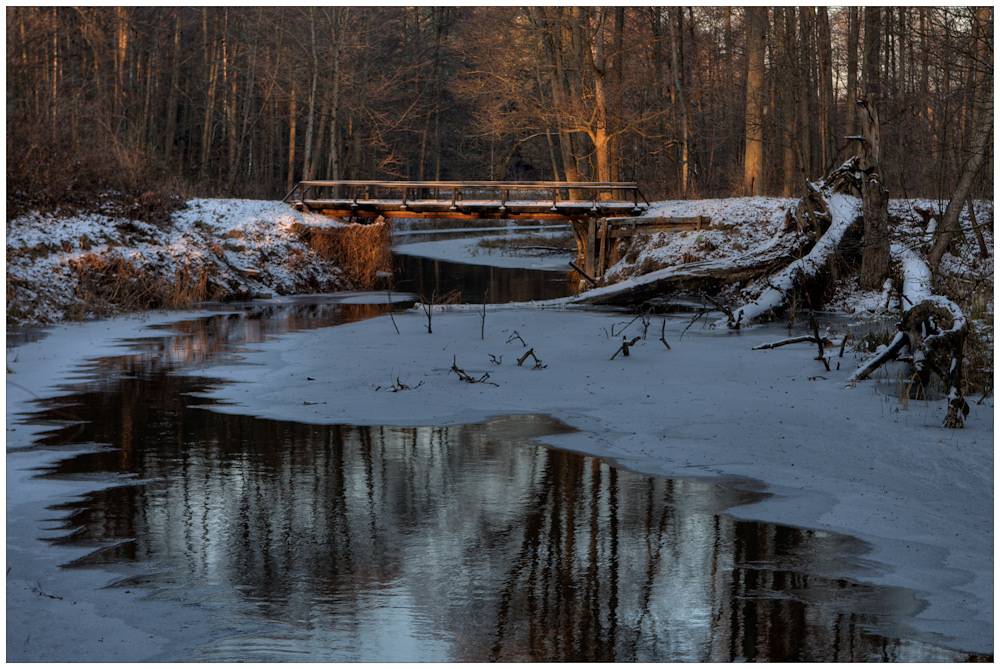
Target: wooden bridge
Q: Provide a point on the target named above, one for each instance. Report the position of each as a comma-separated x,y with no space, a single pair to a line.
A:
524,200
602,212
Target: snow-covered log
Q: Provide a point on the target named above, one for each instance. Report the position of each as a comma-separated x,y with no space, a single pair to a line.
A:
844,211
830,213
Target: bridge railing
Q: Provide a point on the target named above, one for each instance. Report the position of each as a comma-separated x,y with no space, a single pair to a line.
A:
454,192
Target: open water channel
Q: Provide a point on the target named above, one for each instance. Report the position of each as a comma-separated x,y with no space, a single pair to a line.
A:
462,543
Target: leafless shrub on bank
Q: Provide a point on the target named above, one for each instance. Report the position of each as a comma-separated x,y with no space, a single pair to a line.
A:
361,251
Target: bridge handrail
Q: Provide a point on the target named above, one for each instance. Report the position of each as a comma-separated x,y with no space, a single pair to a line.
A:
630,186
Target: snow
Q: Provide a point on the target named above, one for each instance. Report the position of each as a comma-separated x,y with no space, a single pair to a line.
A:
470,252
852,460
252,245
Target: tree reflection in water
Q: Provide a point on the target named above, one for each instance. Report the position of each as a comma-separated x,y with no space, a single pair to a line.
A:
463,543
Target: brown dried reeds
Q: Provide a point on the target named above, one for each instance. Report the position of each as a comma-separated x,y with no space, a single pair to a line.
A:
109,283
361,251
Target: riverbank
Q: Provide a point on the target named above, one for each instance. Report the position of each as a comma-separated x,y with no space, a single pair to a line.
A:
70,268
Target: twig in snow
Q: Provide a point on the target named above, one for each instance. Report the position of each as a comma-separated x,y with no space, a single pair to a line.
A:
531,352
517,337
623,349
785,342
693,321
388,289
470,379
663,333
482,328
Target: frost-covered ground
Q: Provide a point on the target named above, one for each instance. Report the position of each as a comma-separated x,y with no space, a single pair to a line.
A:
250,248
847,458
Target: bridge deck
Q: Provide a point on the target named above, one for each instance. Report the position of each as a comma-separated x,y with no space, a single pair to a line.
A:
474,199
489,209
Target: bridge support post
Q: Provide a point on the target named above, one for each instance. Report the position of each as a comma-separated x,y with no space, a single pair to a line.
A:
590,255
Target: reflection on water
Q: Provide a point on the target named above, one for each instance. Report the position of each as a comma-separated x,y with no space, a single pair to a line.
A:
463,543
424,276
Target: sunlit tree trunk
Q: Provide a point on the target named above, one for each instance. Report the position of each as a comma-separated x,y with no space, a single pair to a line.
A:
753,164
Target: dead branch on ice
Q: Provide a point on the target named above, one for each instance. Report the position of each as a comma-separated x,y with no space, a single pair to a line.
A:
467,377
933,329
623,349
791,340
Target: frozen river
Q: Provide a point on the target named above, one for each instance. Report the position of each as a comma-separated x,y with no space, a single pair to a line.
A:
251,538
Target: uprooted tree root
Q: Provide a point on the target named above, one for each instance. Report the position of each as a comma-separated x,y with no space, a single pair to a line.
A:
361,251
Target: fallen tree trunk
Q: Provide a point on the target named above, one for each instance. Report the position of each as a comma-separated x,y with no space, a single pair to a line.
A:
805,223
830,214
844,215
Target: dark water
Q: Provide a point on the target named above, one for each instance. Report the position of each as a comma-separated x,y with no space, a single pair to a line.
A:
426,277
464,543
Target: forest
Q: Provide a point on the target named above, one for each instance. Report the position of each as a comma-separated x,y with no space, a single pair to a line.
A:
689,102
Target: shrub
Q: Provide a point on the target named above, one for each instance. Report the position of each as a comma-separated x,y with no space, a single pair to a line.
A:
361,251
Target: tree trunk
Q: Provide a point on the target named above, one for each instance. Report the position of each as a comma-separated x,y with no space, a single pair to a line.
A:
675,50
852,68
291,140
805,85
827,144
949,225
980,117
753,164
311,118
784,23
175,68
875,198
600,131
871,79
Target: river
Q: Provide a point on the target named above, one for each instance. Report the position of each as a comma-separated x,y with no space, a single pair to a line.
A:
462,543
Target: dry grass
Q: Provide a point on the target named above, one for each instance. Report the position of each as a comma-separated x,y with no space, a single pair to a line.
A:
361,251
110,283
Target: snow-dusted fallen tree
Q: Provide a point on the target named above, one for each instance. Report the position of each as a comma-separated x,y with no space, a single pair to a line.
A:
838,213
807,225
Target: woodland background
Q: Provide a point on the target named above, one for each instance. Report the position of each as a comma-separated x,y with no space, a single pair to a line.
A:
156,103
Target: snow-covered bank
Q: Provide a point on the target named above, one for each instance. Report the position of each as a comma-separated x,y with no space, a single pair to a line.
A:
745,229
246,248
849,460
